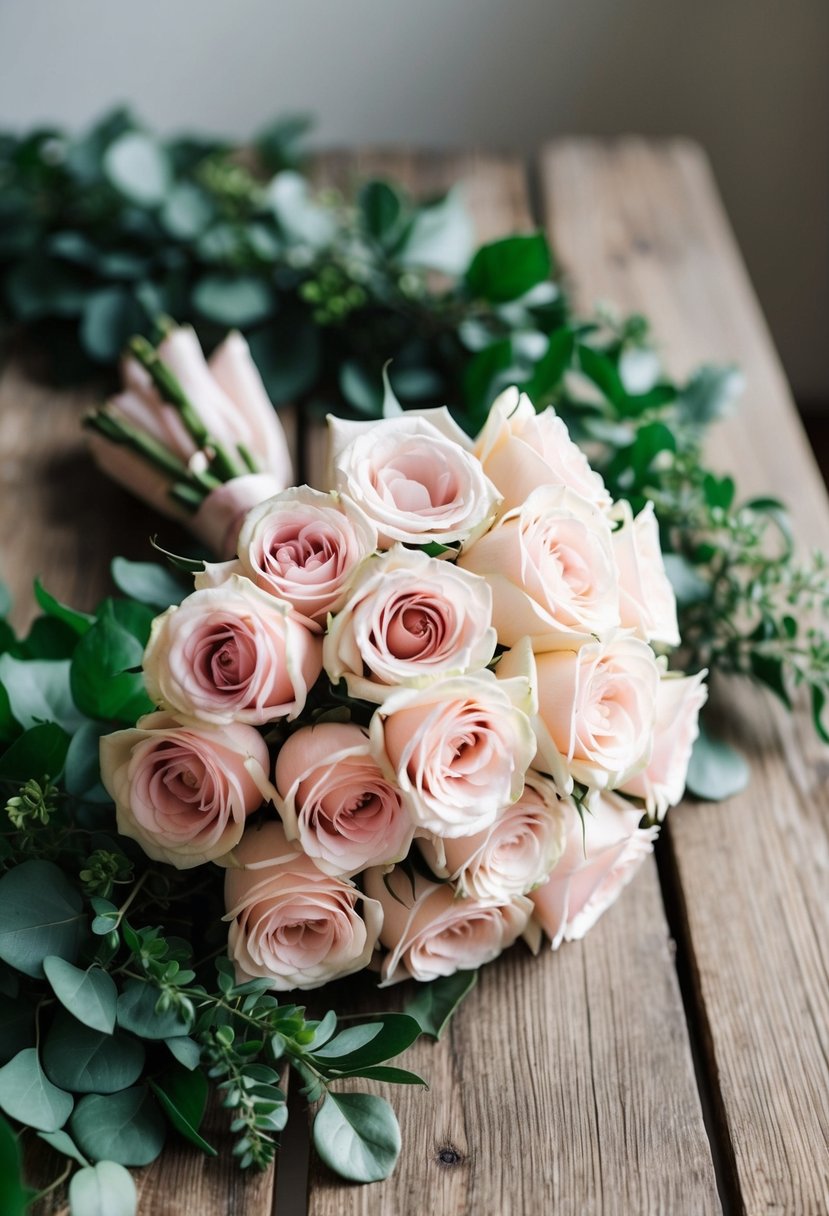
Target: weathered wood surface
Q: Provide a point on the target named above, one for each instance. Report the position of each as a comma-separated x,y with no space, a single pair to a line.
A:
641,224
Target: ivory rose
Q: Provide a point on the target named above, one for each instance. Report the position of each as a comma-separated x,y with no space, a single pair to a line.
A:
521,450
430,932
599,860
334,799
289,923
647,599
409,619
550,565
514,854
184,792
231,653
458,749
414,482
678,702
596,711
303,546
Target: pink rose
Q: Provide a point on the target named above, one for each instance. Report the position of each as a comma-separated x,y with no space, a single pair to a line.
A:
334,799
550,565
231,654
429,931
220,517
409,619
521,450
416,484
290,923
514,854
303,546
458,749
678,702
596,711
184,792
599,860
647,600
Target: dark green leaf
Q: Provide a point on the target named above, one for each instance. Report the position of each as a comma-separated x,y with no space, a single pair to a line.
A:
603,373
771,671
102,683
185,1050
183,1096
818,697
89,995
397,1032
111,316
137,1013
82,775
433,1004
716,770
86,1061
233,300
381,210
507,269
14,1196
105,1189
650,441
41,750
393,1076
126,1127
708,394
27,1094
357,1136
41,913
78,622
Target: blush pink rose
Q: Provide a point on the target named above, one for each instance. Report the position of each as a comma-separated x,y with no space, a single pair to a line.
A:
647,599
414,483
596,712
514,854
550,565
231,653
289,923
184,792
599,860
429,931
678,702
220,517
409,619
304,546
458,750
334,799
521,450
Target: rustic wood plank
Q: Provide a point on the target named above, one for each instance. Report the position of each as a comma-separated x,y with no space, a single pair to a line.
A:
641,224
565,1082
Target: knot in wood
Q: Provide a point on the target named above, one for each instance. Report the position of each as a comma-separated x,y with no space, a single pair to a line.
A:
449,1156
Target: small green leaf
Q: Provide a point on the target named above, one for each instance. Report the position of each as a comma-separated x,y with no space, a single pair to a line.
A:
508,268
86,1061
63,1143
27,1094
187,211
14,1196
78,622
360,1046
41,913
233,299
105,1189
717,770
183,1096
393,1076
381,210
440,237
357,1136
323,1030
126,1127
147,582
137,1013
434,1004
89,996
138,167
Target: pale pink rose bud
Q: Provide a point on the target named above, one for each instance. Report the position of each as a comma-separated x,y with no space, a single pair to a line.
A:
409,619
235,372
184,792
222,514
678,702
458,749
647,599
599,860
304,546
550,565
414,483
521,450
290,923
334,799
596,712
429,931
514,854
232,654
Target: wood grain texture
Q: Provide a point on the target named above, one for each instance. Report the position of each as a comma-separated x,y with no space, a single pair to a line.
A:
640,224
565,1083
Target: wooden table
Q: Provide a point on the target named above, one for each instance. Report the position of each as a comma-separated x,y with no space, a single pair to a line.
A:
677,1061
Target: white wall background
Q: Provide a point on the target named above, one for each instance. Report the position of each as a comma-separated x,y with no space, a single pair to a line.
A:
748,78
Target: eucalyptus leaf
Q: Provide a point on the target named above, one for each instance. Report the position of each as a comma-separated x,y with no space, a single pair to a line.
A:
89,996
41,914
717,770
126,1127
105,1189
233,300
86,1061
17,1026
39,691
434,1004
63,1143
138,167
27,1094
147,582
370,1043
137,1013
357,1136
186,1051
440,237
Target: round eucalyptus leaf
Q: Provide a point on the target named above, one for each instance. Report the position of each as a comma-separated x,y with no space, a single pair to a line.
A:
717,770
126,1127
110,318
88,1062
89,995
186,212
357,1136
105,1189
137,1013
233,300
27,1094
41,913
138,167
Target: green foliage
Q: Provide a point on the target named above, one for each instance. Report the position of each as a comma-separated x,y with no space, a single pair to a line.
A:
27,1094
357,1136
14,1197
105,1189
434,1004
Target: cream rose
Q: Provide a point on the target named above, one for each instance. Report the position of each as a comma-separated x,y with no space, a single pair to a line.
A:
231,653
430,932
599,860
678,702
416,484
521,450
514,854
596,712
184,792
458,750
409,619
550,565
303,546
647,599
334,799
289,923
